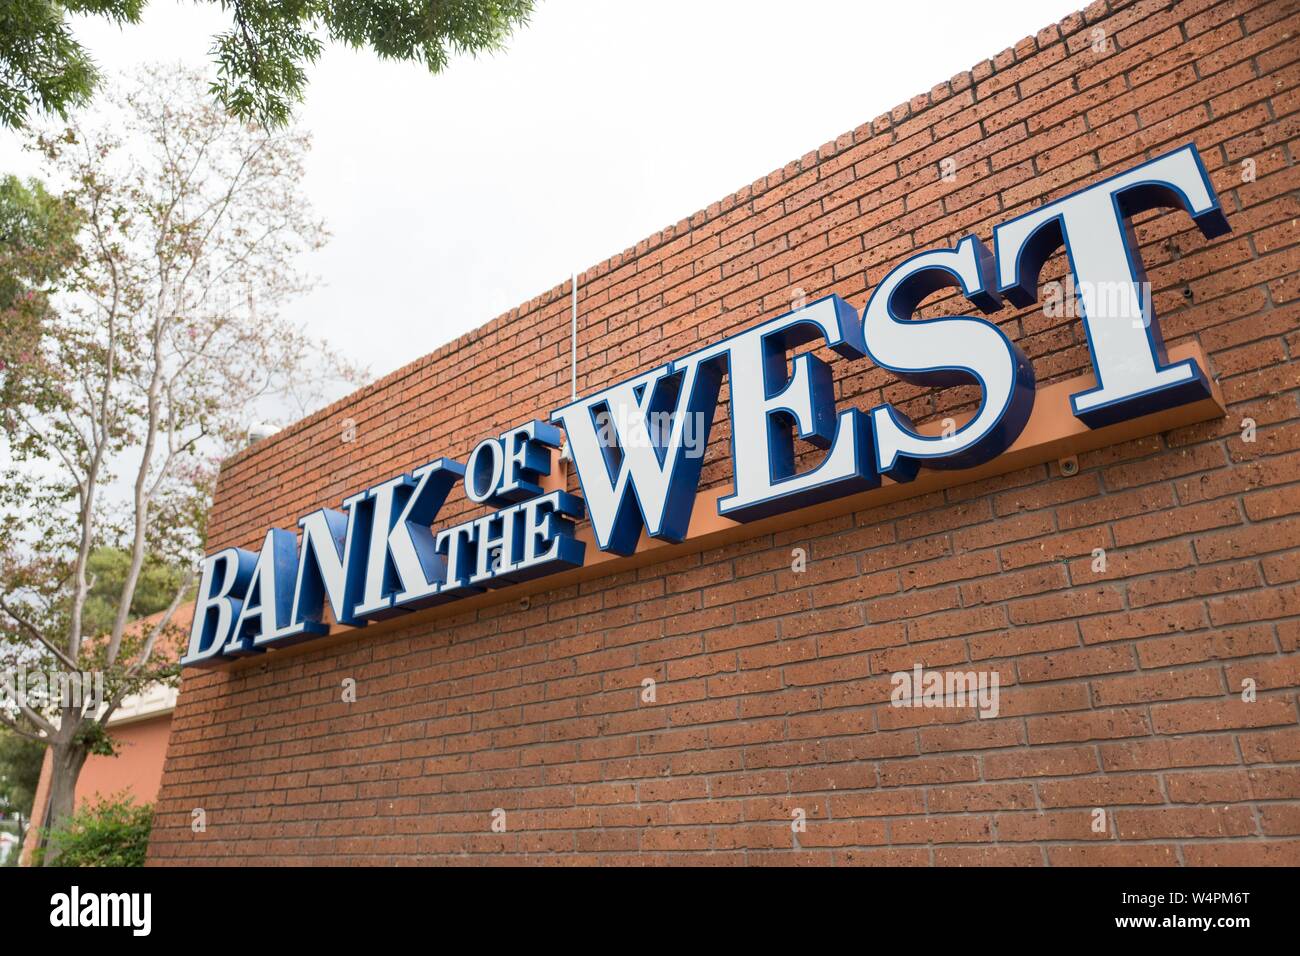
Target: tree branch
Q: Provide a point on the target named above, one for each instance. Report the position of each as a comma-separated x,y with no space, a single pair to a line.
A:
147,650
37,634
12,725
46,727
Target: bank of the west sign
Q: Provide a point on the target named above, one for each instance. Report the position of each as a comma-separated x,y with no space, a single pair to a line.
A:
636,445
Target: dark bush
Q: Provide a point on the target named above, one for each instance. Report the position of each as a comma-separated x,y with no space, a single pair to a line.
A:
111,832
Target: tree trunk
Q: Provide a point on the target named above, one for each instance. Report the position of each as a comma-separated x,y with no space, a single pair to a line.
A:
66,761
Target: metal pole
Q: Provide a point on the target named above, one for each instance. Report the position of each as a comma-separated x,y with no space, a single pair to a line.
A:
573,344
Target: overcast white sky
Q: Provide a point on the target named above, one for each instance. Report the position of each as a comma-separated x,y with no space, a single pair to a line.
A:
454,198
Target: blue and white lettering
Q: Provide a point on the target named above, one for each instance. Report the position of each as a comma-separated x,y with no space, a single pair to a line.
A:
403,567
638,446
527,451
1123,333
457,546
223,582
329,567
268,600
768,406
640,472
945,352
548,542
483,471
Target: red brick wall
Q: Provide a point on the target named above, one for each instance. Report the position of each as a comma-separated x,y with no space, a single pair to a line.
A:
1121,690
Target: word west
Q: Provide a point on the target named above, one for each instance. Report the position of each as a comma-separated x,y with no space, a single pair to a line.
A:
922,688
75,909
636,445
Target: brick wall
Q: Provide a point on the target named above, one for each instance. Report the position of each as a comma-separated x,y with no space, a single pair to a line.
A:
1121,689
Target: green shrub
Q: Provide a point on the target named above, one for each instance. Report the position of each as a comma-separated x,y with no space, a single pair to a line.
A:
111,832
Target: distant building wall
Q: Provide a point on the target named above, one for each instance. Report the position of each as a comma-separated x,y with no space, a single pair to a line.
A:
137,768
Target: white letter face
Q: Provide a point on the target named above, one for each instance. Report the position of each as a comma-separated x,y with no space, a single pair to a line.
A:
768,406
403,567
1123,334
948,351
222,586
483,471
527,451
268,599
331,566
548,541
635,473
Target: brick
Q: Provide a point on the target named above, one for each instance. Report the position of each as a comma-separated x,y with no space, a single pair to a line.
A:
1101,791
1248,853
1174,823
1218,715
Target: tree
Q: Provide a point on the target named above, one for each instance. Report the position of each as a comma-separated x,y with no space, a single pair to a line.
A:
141,333
107,569
20,773
260,60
